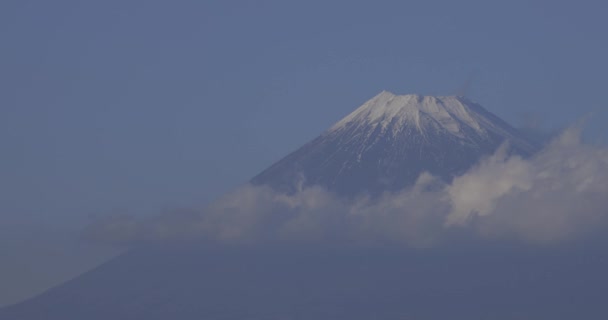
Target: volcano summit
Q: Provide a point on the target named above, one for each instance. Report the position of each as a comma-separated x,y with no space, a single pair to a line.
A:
385,144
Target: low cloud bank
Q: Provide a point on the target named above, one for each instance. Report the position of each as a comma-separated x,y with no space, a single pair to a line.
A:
559,195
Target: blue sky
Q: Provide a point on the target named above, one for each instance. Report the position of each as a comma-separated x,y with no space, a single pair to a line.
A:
142,106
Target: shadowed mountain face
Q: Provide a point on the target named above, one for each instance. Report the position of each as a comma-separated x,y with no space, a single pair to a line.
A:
385,144
189,284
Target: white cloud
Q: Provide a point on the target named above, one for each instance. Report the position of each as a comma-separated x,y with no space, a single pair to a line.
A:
558,195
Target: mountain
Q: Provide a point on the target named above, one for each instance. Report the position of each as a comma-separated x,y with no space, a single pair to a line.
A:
385,144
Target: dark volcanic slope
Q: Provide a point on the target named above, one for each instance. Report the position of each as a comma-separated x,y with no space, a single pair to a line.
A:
390,140
232,285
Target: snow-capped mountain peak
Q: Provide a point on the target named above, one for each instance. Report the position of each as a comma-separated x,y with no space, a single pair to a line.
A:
449,113
385,144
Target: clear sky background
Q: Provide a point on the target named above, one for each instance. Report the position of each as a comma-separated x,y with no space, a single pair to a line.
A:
111,107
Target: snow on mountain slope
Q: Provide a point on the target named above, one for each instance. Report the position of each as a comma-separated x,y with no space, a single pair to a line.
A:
385,144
